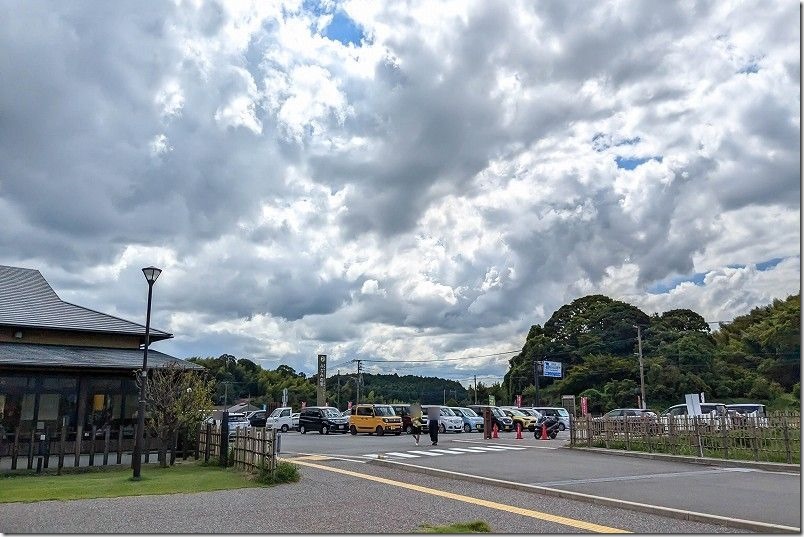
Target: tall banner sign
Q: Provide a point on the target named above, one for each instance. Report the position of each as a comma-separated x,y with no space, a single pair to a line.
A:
584,406
321,390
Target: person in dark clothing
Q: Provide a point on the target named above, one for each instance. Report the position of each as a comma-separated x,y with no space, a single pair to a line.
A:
432,422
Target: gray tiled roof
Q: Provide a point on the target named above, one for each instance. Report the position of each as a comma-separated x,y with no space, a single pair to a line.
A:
28,354
27,300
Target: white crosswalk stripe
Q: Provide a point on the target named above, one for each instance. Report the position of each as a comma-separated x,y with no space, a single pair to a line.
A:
403,455
448,451
438,452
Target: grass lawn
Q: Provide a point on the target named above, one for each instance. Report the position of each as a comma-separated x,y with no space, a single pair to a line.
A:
112,482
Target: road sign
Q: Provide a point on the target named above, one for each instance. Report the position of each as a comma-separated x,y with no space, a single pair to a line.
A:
492,401
284,397
321,388
552,369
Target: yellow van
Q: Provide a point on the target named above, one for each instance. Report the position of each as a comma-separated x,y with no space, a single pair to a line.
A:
372,419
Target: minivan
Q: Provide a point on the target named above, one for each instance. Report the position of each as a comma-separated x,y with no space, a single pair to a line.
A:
372,419
447,420
504,423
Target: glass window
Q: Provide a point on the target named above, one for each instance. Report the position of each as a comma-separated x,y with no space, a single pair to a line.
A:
48,406
445,411
383,410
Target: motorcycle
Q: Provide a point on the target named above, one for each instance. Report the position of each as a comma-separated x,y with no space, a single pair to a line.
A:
551,424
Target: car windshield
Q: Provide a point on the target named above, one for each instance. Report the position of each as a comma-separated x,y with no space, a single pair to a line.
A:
447,411
717,409
497,412
468,412
746,409
276,412
384,411
330,413
563,412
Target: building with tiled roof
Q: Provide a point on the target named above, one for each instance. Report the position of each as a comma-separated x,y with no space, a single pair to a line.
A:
66,365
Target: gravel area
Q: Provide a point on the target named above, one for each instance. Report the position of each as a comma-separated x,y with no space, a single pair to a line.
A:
322,502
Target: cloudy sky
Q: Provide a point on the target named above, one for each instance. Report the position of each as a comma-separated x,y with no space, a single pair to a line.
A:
392,181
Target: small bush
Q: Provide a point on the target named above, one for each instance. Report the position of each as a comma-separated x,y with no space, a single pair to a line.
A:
285,472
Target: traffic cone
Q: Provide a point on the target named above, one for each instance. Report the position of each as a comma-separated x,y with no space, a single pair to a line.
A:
544,432
518,431
494,432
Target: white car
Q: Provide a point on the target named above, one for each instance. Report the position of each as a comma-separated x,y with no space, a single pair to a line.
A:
447,420
712,415
561,413
237,421
294,420
281,418
748,414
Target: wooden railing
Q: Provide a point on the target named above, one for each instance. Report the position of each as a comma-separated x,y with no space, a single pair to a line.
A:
772,438
76,447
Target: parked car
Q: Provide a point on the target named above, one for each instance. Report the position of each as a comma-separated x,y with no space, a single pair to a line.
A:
525,421
711,415
748,414
504,423
257,418
561,413
372,419
471,421
237,420
323,419
530,412
447,420
294,420
637,418
281,418
622,413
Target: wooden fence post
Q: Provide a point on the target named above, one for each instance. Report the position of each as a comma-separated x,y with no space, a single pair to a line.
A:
120,444
106,436
786,435
725,436
589,430
63,437
92,446
15,449
627,434
207,441
79,437
30,450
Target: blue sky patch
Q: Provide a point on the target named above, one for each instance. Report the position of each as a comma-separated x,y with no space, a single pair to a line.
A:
769,264
671,283
343,29
630,163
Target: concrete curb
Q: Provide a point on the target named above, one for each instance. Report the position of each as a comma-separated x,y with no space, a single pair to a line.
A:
724,463
751,525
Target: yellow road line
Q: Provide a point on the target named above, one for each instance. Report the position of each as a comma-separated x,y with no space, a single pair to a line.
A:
579,524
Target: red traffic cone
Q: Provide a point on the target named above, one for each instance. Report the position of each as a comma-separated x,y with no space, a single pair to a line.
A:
518,431
544,432
494,432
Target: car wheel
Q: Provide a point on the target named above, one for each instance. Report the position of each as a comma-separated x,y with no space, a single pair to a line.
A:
553,435
442,428
467,428
284,428
409,429
379,431
302,429
561,427
324,429
352,430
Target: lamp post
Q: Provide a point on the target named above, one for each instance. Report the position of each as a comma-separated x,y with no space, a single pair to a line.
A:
641,368
151,274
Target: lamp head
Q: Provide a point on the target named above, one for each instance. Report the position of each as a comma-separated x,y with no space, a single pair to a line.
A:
151,273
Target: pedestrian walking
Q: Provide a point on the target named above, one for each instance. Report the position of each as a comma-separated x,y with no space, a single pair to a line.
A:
432,422
416,422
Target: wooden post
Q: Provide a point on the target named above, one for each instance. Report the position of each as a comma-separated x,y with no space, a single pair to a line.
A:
627,434
207,440
589,430
146,447
15,448
174,442
197,443
786,434
724,436
62,439
30,450
605,433
79,436
92,445
120,444
106,436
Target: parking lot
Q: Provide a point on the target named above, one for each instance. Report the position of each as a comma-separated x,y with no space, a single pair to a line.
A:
726,492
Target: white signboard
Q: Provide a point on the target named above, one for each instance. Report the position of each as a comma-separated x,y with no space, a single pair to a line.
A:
693,401
552,369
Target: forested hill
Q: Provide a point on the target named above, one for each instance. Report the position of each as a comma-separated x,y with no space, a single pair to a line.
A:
755,357
407,388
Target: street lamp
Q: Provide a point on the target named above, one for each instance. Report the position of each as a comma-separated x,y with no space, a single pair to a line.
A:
641,369
151,274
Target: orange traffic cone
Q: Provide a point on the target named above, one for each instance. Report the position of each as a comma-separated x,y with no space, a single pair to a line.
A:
494,431
544,432
518,431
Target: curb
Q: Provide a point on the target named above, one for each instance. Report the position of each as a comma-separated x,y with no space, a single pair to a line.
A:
709,461
751,525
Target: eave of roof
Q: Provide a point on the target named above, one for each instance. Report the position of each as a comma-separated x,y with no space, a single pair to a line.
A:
66,356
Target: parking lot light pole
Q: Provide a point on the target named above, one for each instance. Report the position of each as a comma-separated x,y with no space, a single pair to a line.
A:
151,274
641,367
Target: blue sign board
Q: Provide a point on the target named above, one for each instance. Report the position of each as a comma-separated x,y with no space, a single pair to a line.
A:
552,369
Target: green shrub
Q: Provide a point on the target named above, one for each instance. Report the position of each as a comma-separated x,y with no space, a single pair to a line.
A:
475,526
284,472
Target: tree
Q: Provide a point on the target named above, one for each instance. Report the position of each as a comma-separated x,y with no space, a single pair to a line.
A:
177,401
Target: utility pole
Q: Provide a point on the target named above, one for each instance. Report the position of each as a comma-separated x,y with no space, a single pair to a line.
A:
359,377
536,379
475,389
445,397
641,367
339,388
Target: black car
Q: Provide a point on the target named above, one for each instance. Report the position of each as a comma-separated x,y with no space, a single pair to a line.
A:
257,418
504,423
324,419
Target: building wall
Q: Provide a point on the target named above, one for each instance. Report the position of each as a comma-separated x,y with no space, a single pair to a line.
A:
63,337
